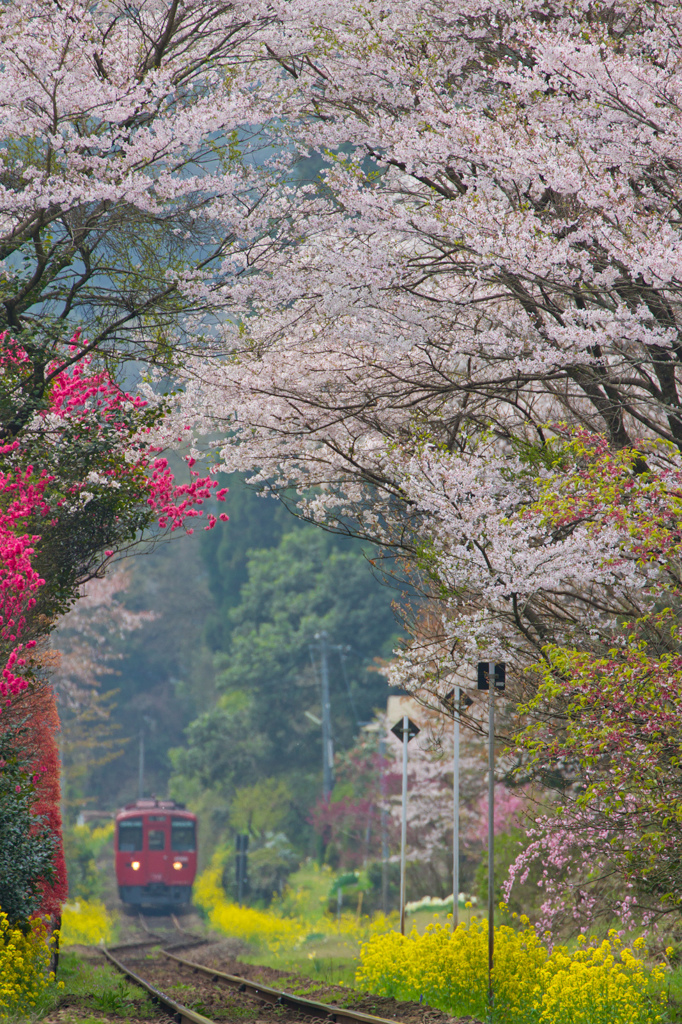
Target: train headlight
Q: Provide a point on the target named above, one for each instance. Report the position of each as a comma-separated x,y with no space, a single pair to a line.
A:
135,865
177,864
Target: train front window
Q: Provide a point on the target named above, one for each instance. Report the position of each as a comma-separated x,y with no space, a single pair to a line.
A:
157,839
182,835
130,835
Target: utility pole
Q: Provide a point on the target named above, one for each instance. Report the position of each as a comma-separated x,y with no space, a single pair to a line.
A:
327,741
241,866
491,838
140,766
149,722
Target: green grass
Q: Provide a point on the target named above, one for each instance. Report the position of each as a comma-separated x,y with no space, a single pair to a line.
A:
329,963
307,893
325,959
97,987
93,1020
673,986
324,970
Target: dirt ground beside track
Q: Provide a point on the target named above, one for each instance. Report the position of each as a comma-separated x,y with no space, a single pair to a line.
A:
77,1013
225,1005
225,958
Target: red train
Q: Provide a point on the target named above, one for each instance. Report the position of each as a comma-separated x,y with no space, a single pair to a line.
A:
156,854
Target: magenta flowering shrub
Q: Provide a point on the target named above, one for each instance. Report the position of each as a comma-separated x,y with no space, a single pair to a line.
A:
87,464
82,476
18,579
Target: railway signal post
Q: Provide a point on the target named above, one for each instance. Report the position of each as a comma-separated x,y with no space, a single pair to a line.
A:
490,672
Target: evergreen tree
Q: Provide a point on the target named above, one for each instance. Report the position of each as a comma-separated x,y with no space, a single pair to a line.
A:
265,722
255,522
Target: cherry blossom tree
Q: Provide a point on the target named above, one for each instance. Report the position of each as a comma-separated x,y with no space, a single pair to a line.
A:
496,251
123,201
471,258
124,198
487,263
83,638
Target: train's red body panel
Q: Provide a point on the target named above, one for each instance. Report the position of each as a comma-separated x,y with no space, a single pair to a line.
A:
156,854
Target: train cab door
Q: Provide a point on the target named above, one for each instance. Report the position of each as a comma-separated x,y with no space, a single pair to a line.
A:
130,867
158,847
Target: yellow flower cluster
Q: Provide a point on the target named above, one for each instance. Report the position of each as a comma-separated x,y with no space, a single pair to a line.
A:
360,929
273,930
597,983
257,927
86,922
24,967
96,836
600,982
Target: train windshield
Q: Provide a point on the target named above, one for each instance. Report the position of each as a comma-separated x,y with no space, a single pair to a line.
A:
130,835
157,839
182,835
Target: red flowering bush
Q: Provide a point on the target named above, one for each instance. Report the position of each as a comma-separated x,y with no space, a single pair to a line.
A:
81,478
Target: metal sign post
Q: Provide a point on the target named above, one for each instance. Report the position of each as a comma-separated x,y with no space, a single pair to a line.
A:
488,671
384,830
403,827
404,730
453,701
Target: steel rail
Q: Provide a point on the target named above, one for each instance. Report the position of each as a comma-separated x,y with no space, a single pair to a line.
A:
155,939
309,1007
181,1014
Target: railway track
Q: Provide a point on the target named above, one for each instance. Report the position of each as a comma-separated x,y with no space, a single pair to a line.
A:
181,1014
173,935
298,1006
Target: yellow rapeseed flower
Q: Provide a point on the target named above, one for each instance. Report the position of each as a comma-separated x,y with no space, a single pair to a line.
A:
24,963
598,984
86,922
267,929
